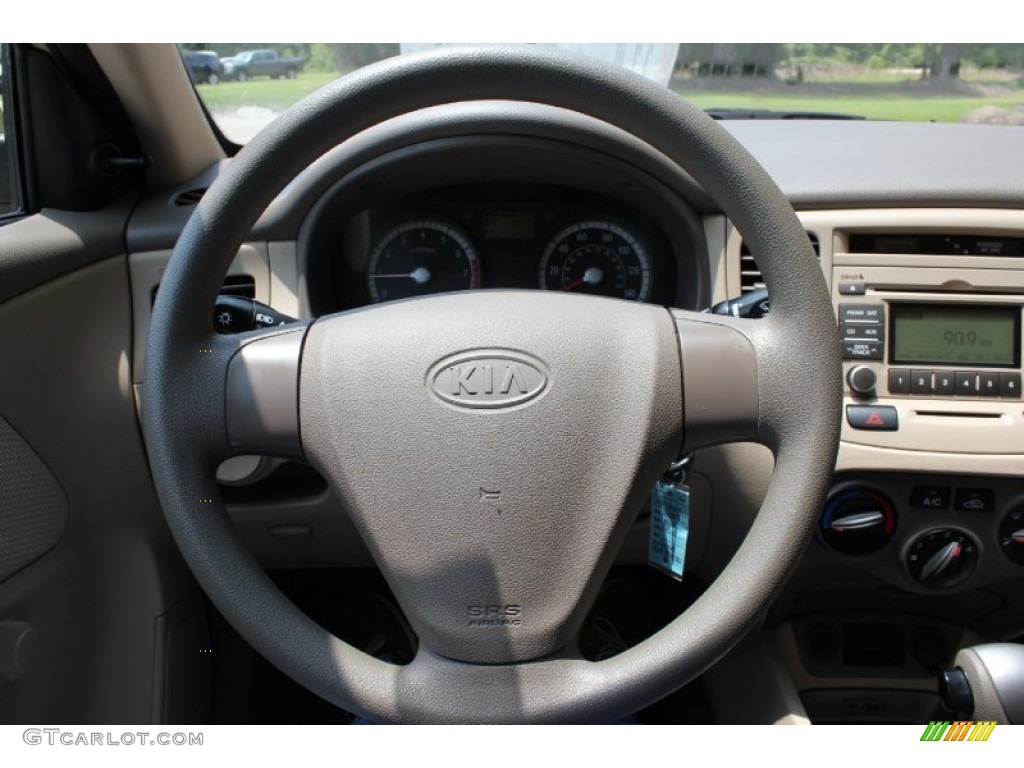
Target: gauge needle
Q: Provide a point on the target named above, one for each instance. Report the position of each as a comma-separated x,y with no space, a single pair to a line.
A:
420,275
593,276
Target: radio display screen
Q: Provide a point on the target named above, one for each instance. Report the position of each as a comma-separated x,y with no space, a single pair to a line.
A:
947,334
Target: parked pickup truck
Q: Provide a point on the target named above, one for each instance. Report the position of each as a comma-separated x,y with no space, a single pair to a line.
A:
263,62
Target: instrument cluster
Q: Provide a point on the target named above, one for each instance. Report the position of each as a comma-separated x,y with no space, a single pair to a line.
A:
507,235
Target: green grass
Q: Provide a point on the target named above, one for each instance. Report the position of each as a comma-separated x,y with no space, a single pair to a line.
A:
264,92
888,103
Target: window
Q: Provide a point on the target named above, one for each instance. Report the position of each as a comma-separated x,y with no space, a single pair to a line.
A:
10,197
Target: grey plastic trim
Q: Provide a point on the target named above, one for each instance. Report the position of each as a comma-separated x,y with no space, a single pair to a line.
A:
849,164
578,172
719,382
750,686
37,249
93,598
19,650
262,399
34,510
156,224
996,674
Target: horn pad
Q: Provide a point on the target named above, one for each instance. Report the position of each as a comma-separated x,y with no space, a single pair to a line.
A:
493,448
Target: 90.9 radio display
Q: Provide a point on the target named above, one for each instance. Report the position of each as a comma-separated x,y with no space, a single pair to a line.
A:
945,334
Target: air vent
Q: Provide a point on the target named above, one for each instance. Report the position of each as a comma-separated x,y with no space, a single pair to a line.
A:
750,273
188,197
234,285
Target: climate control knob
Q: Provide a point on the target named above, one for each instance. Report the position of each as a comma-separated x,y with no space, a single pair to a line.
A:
1011,536
858,521
942,558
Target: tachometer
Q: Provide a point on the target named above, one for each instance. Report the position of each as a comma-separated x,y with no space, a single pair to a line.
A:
421,257
596,257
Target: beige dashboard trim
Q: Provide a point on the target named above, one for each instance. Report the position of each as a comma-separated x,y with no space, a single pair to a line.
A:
869,458
964,436
152,83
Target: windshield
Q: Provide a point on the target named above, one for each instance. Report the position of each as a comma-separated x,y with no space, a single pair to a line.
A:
246,85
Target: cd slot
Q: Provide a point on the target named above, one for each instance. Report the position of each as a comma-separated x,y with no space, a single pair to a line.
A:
957,415
976,293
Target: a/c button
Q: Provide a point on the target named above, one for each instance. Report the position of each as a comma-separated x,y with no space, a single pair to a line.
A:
929,497
881,417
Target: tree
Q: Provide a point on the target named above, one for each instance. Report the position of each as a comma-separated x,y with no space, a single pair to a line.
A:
947,66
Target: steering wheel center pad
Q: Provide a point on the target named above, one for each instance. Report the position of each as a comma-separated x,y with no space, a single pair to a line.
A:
489,514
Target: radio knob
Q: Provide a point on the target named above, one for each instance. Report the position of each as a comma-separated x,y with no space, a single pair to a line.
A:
862,380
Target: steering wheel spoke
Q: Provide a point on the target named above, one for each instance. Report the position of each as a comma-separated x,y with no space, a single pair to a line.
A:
262,395
720,381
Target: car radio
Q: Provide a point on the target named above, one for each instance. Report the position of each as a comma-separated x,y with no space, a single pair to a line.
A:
941,349
928,351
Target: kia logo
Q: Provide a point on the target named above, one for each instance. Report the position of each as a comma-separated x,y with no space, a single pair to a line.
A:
490,378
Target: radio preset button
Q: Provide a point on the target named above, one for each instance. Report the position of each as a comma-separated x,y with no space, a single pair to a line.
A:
873,313
921,382
966,383
945,383
1009,385
862,350
899,381
988,384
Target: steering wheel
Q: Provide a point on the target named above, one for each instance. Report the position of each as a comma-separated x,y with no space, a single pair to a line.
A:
417,412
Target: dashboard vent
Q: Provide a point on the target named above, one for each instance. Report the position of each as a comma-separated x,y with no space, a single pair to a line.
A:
750,273
188,197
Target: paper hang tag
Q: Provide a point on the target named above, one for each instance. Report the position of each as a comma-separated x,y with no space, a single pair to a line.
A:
670,524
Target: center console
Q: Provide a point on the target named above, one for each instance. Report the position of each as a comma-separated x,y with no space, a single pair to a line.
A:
920,545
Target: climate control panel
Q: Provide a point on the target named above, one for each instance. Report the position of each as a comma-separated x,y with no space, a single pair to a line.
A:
926,532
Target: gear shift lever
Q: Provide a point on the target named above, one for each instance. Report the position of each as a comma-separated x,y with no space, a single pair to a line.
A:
986,683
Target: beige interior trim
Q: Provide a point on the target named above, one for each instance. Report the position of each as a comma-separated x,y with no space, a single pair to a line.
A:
936,434
716,228
284,277
156,92
870,458
989,221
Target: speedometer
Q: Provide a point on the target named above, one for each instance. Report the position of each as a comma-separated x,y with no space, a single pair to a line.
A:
596,257
421,257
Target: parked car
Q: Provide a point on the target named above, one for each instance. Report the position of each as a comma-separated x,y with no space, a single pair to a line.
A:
419,487
204,67
262,62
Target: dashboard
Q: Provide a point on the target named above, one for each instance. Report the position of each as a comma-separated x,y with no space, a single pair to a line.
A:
920,547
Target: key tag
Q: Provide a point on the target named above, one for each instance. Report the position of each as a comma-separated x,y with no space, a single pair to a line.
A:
670,520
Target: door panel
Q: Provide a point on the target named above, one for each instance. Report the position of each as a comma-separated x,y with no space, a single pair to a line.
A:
99,600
